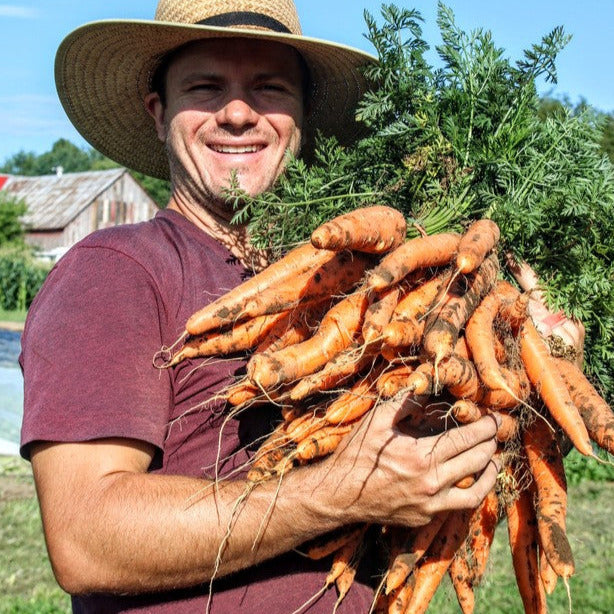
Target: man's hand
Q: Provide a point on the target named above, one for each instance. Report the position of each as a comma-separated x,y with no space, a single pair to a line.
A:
549,324
383,475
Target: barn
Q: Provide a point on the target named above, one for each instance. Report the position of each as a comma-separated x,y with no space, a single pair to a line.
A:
65,207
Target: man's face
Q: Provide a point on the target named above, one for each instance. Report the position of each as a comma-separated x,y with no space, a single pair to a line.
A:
232,105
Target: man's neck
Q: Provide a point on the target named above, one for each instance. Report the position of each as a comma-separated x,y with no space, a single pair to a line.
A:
217,225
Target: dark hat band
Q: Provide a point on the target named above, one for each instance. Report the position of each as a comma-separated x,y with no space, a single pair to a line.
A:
245,18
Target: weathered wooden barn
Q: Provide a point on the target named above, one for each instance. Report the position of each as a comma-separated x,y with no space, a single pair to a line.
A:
65,207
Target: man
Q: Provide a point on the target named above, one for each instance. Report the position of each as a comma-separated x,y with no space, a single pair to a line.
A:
126,457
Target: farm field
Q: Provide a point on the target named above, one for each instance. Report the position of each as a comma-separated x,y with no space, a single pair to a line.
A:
28,587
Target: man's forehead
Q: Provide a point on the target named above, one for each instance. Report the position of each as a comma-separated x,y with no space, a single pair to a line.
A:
223,50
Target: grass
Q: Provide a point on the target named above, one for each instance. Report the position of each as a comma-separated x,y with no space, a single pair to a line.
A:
13,316
26,580
28,586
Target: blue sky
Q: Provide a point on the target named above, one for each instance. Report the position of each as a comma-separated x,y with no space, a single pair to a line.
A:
31,118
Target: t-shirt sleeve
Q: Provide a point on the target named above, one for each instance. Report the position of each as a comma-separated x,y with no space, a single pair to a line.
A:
87,353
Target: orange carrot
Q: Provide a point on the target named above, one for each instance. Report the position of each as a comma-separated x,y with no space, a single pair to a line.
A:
242,336
596,413
356,402
321,443
379,313
331,542
546,463
376,229
477,241
270,453
522,532
466,411
459,575
549,383
418,543
400,597
514,305
339,369
227,308
421,252
241,392
454,373
297,326
305,425
407,324
481,535
335,277
444,325
430,572
338,329
393,380
547,574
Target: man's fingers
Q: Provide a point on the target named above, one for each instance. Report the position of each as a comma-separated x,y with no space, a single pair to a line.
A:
455,441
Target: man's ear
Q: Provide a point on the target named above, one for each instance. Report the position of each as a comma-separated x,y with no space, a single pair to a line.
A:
155,108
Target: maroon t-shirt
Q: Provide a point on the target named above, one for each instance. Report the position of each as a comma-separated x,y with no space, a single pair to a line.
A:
107,307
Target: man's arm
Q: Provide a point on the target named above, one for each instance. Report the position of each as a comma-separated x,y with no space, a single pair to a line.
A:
112,527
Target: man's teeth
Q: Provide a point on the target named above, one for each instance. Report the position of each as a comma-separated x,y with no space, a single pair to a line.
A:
236,150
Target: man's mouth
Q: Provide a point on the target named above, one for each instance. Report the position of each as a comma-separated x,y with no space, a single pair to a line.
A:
234,149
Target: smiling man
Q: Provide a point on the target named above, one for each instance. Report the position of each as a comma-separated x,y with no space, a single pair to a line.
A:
140,472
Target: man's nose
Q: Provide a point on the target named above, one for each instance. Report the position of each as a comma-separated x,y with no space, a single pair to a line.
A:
238,113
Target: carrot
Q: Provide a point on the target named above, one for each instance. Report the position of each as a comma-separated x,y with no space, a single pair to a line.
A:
466,411
444,325
330,542
421,252
481,535
344,559
338,329
596,413
379,313
400,597
430,572
321,443
549,383
268,455
546,464
454,373
522,533
393,380
459,575
514,305
509,428
419,541
242,336
339,369
477,241
547,574
241,392
297,326
305,425
356,402
227,308
406,325
376,229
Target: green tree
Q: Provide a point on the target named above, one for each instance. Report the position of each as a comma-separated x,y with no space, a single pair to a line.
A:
607,140
11,228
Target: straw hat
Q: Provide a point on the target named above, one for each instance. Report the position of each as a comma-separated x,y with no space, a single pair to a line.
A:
103,71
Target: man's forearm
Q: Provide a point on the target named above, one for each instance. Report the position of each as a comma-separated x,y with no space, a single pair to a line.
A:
135,532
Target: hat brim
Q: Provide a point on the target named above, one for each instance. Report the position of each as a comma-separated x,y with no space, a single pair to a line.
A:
103,71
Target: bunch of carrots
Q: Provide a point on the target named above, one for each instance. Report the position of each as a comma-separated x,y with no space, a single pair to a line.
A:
360,314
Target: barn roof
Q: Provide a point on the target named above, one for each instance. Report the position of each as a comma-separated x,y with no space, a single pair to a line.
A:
55,200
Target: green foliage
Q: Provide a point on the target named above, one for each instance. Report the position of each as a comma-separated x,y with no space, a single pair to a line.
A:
579,468
20,278
11,229
469,139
